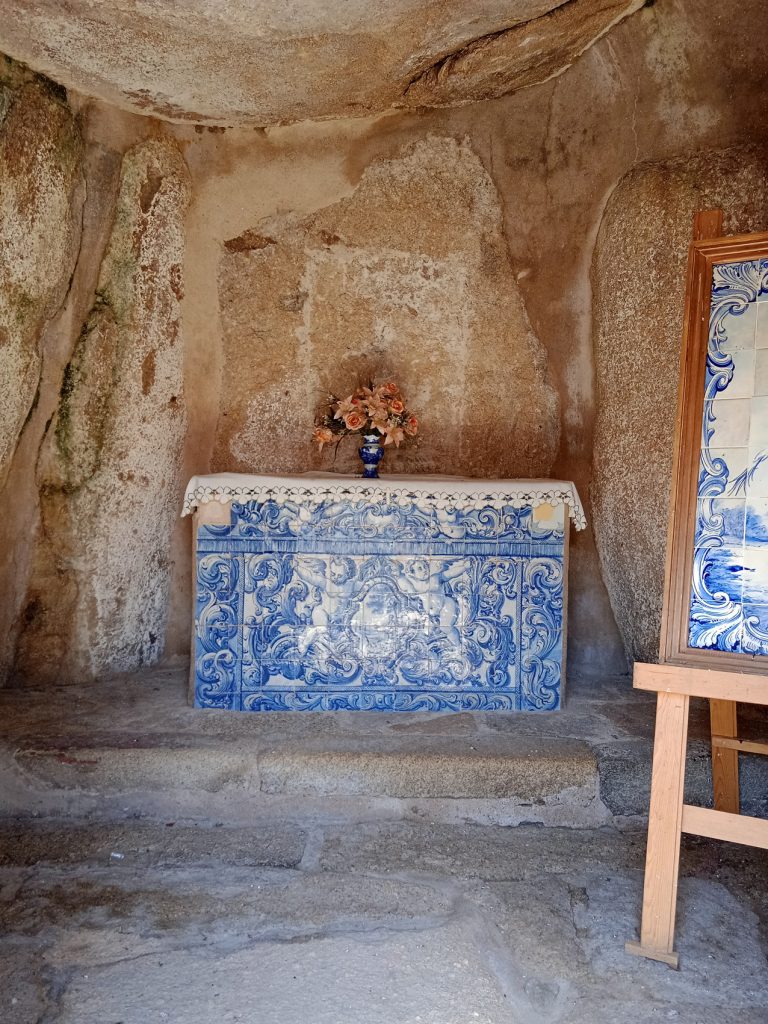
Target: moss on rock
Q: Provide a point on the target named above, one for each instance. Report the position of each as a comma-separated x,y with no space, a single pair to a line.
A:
41,194
110,465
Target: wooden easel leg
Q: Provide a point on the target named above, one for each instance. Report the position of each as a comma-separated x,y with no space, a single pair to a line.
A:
725,762
662,857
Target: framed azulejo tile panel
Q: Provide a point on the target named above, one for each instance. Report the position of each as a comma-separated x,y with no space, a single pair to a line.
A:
716,600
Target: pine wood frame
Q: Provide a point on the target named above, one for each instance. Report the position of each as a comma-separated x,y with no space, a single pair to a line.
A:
719,676
703,255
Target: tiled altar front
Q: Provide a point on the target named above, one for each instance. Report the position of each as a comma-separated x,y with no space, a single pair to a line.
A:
340,598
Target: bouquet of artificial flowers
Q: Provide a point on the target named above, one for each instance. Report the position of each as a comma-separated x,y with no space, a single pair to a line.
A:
379,408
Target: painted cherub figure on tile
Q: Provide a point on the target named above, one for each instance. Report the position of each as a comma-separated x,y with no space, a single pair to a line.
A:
336,589
430,580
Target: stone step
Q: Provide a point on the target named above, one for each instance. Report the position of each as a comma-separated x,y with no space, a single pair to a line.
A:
129,749
132,749
501,779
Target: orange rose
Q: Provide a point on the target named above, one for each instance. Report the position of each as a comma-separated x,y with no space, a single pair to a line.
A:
396,406
390,389
411,426
354,420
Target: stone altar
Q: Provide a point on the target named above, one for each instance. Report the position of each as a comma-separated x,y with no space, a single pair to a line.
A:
324,592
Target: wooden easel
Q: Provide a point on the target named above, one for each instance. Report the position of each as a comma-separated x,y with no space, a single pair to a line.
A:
669,817
684,673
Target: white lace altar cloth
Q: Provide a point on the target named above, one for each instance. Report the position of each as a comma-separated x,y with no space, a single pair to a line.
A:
426,492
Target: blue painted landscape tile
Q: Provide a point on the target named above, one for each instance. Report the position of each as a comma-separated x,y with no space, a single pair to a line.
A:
730,564
724,517
756,523
722,570
754,573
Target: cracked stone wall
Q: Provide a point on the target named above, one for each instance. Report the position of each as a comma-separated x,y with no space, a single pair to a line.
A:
109,468
407,278
41,199
638,277
451,247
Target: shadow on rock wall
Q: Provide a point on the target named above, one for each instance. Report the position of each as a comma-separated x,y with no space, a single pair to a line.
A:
408,278
638,277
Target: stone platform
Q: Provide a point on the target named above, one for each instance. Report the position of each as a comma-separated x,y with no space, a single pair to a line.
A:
133,749
161,864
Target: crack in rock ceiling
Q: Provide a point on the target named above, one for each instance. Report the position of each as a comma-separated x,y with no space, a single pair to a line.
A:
267,62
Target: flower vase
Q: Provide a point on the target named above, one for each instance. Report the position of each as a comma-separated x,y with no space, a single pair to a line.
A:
371,452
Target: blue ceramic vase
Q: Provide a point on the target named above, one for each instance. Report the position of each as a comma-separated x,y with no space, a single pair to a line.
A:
371,452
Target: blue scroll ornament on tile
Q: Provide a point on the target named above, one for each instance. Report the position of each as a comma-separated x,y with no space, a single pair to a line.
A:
717,618
375,605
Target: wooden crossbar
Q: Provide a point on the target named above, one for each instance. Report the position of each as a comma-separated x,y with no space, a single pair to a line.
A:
702,682
733,828
743,746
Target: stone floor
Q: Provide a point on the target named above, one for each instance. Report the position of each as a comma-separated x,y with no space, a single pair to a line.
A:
385,923
159,864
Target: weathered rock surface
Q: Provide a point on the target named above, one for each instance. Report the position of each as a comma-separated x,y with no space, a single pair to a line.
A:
408,277
110,464
260,62
671,79
524,55
638,277
41,197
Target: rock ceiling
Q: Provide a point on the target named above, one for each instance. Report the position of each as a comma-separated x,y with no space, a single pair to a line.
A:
265,62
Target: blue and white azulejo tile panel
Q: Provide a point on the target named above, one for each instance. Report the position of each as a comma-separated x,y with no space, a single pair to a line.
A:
358,605
729,596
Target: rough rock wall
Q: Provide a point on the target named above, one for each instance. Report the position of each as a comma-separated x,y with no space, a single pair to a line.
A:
517,57
109,467
638,276
409,277
41,198
265,62
671,79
